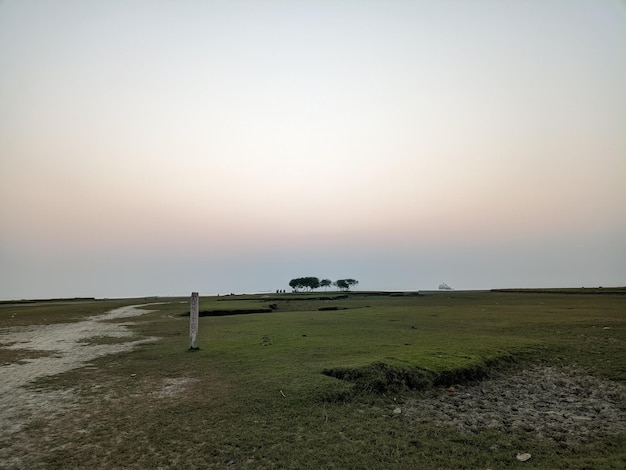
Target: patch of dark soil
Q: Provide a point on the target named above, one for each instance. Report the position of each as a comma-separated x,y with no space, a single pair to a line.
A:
20,356
573,290
560,404
221,313
334,297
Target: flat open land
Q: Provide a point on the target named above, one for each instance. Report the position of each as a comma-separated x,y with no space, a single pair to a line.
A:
475,379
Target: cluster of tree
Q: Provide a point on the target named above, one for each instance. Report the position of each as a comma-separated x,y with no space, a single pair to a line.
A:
310,282
345,284
304,283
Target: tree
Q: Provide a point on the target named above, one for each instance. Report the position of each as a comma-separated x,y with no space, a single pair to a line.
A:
325,283
294,284
345,284
309,283
312,282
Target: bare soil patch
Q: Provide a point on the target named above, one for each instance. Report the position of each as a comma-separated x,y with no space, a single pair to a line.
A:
560,404
173,387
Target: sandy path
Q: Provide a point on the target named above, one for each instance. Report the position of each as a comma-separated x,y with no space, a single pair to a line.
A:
65,342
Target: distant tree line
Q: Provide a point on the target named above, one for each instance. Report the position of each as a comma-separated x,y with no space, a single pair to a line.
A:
310,283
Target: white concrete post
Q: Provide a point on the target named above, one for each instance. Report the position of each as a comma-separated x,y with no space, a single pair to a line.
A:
193,321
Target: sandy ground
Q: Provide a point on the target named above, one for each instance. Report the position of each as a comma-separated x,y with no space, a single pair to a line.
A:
65,343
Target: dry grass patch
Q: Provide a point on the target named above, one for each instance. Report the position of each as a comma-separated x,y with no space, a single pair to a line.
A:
20,356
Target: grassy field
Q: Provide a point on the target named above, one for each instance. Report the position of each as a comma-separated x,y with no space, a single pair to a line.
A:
300,387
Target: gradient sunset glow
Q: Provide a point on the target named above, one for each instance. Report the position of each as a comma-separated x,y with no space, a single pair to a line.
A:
156,147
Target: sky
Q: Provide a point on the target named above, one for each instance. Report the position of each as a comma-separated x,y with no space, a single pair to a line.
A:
164,147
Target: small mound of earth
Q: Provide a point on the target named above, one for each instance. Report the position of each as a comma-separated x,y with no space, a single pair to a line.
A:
564,405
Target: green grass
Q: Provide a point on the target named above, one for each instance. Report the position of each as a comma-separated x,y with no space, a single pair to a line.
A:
259,397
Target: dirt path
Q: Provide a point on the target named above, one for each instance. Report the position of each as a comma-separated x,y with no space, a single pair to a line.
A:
66,348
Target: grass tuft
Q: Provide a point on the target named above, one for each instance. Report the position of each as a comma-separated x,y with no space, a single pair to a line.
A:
382,377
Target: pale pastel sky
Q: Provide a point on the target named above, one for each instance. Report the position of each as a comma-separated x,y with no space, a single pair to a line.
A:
163,147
